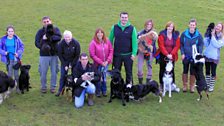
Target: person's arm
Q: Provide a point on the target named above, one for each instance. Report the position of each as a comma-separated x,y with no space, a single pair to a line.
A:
60,53
38,39
161,45
57,35
200,44
20,48
77,52
2,52
217,43
182,44
134,42
111,52
111,37
92,52
177,47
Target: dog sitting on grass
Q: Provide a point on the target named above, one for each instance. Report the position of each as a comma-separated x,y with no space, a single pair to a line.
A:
117,86
24,78
6,86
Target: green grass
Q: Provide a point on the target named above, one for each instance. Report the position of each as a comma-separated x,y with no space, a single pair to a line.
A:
82,17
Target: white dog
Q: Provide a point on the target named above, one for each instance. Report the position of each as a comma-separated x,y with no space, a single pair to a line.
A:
168,84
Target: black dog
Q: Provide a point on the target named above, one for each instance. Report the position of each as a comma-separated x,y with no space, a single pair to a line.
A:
137,92
6,86
117,86
209,29
49,45
24,78
69,86
199,75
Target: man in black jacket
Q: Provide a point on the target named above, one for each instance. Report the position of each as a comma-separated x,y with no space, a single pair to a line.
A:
85,76
68,53
46,40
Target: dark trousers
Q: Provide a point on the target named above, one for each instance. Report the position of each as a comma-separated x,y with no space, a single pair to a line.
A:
128,63
210,68
186,64
162,69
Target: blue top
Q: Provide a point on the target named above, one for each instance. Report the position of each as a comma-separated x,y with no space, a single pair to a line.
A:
10,47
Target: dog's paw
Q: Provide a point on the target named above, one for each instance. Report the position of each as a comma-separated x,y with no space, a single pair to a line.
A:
124,104
109,101
198,99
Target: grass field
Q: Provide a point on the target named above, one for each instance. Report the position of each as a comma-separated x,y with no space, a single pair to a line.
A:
82,17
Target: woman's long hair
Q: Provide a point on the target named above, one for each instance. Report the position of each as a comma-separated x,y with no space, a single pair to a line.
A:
96,38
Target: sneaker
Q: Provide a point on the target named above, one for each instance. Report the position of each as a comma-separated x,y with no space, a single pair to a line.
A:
52,91
98,95
104,94
43,91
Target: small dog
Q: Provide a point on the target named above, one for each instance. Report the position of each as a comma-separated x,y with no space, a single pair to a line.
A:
6,86
24,78
138,92
209,29
167,78
117,86
69,84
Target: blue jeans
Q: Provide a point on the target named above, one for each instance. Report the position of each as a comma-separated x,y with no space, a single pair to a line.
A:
45,62
79,101
12,71
101,86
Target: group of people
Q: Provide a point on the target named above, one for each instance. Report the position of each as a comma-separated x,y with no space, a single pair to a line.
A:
121,47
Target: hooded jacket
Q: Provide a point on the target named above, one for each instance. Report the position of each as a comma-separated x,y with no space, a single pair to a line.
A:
19,48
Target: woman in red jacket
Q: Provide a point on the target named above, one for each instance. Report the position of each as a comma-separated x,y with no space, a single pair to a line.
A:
169,44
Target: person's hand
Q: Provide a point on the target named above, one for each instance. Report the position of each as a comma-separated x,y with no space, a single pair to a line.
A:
66,68
105,64
44,37
6,53
133,57
169,56
182,57
86,77
16,55
213,32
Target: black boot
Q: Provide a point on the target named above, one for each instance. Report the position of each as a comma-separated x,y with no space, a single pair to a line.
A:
147,80
140,80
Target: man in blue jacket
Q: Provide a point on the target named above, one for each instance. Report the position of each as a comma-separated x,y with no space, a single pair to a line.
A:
189,37
47,43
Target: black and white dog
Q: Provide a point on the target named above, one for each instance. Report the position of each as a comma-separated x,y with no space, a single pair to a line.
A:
6,86
138,92
199,61
24,78
117,86
168,84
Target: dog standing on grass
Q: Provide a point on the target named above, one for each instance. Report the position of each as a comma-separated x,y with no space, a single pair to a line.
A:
6,86
199,61
138,92
24,78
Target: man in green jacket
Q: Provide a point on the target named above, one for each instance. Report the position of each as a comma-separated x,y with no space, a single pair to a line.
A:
124,39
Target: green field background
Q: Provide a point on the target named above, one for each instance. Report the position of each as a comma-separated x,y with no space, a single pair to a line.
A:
82,17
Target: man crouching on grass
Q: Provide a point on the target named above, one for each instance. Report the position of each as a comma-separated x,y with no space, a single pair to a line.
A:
85,76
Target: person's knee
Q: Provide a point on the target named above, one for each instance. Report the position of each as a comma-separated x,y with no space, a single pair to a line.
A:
91,89
78,105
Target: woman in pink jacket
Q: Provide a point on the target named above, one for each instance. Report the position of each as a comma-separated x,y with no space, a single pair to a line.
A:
101,51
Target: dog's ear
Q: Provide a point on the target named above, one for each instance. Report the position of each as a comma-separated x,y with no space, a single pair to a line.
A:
28,66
